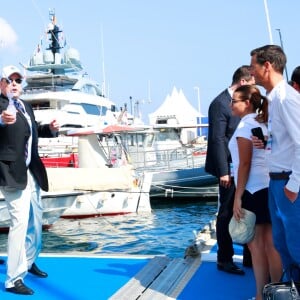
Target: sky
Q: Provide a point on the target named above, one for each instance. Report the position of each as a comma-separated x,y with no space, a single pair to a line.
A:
143,49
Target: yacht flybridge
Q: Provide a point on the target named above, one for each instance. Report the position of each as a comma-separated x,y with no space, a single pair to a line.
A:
58,87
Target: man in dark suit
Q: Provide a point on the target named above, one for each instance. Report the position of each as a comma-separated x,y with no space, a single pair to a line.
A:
22,176
221,127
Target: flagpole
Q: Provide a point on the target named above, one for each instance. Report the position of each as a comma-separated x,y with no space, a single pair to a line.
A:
268,22
199,132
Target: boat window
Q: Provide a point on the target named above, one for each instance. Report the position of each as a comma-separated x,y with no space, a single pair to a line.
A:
103,110
49,83
167,134
89,89
149,140
40,105
73,112
91,109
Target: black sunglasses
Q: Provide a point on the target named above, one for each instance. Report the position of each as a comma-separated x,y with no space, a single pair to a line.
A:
18,80
233,101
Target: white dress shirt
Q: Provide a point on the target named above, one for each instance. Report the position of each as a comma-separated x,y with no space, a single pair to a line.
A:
284,132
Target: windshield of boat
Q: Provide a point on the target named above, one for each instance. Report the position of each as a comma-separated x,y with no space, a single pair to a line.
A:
168,134
90,109
162,135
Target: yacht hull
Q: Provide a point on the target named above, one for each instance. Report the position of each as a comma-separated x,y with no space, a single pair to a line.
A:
183,183
54,205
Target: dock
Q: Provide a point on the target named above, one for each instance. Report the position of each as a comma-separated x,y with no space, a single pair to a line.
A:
128,277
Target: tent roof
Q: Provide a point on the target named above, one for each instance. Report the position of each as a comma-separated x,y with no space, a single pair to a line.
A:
176,106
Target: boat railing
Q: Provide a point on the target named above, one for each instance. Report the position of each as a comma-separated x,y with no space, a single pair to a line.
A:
169,159
141,158
46,89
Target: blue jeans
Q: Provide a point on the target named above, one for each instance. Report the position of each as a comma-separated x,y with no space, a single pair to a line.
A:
285,217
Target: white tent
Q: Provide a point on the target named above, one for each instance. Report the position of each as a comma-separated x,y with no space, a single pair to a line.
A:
176,110
175,107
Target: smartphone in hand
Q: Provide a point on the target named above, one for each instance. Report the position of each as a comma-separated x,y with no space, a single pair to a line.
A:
257,131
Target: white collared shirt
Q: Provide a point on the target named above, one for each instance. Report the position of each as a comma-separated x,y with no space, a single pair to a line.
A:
259,176
29,142
284,129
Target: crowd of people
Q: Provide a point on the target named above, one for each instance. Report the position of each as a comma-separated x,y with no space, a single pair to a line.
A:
260,176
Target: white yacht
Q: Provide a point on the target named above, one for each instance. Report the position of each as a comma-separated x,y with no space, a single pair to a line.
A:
58,87
177,169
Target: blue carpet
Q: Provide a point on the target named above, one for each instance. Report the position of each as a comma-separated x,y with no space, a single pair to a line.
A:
99,277
78,278
210,284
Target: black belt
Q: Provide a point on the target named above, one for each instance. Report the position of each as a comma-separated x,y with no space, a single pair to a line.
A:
280,176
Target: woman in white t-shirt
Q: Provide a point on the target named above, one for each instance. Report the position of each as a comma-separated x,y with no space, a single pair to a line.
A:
251,179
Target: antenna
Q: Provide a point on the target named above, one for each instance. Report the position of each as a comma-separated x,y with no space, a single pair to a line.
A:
53,31
51,14
103,67
268,22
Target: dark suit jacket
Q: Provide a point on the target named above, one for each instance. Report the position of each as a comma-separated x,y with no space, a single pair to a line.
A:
221,127
13,138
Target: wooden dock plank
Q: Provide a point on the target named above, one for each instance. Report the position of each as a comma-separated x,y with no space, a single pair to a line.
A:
172,280
140,282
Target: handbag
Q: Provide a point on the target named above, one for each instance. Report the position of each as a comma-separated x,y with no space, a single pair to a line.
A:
287,290
242,231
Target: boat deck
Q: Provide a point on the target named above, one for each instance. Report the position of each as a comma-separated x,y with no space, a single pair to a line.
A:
80,277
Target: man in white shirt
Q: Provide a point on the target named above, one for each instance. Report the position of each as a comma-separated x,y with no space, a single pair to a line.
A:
267,66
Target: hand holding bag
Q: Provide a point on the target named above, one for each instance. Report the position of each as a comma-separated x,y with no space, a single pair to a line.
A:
288,290
242,231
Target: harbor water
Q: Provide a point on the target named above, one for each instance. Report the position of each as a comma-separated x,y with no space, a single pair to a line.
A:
167,230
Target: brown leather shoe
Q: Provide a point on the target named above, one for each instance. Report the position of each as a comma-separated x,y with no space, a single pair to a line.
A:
230,267
37,272
20,288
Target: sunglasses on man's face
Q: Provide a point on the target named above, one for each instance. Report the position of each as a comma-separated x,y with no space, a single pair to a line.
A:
17,80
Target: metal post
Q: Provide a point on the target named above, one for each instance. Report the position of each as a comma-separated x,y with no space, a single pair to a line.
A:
130,99
281,44
199,108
